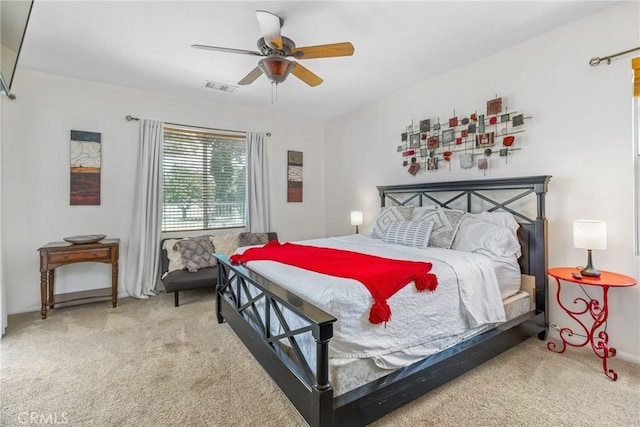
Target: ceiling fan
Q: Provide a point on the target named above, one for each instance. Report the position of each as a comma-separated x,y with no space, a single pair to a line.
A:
276,49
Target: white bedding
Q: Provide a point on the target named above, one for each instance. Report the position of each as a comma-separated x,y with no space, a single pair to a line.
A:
467,297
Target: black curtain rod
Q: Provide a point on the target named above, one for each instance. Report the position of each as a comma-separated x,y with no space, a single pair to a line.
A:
131,118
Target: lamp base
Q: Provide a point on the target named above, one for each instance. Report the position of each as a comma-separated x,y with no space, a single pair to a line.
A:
590,270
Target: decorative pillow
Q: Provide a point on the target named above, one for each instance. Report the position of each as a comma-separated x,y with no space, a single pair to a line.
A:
445,225
251,239
225,243
386,216
197,252
418,211
408,233
476,235
175,258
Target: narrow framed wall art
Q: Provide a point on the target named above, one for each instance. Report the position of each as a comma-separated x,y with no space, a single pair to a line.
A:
85,161
294,176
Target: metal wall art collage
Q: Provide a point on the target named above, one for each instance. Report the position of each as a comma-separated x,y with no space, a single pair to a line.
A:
473,139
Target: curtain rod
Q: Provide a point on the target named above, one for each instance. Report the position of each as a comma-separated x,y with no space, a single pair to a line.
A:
595,61
131,118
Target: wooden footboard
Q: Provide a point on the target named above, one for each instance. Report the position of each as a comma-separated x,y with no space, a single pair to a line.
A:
256,307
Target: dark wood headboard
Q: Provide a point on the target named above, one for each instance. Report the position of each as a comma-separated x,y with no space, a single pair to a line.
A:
504,194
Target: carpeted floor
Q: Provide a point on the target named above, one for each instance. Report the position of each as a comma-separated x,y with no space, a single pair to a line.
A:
148,363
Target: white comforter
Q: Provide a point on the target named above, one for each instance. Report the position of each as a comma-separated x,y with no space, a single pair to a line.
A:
467,297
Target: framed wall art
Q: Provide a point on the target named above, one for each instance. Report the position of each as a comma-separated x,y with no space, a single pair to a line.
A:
85,162
294,176
474,133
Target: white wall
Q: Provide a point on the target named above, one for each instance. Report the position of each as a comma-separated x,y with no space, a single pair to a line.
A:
581,133
35,171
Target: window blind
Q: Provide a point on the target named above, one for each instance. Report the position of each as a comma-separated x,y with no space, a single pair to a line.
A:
204,179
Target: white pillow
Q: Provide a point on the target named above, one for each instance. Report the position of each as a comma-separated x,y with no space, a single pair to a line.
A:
176,262
476,235
503,219
386,216
445,225
409,233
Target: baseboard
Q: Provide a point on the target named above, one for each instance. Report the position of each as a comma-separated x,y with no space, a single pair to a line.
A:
628,357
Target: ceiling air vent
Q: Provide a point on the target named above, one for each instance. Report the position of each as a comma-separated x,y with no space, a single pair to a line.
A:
219,86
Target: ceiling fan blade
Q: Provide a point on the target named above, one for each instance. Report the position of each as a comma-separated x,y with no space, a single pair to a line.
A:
323,51
305,75
227,49
270,25
251,77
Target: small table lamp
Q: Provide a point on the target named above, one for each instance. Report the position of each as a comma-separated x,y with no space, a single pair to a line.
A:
590,235
357,219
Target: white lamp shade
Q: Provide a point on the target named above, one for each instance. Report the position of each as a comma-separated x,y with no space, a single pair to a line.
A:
590,234
357,218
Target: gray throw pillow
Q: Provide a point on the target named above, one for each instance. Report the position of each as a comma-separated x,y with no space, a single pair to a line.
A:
197,252
251,239
445,225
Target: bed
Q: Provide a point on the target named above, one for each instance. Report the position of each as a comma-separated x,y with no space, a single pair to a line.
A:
280,327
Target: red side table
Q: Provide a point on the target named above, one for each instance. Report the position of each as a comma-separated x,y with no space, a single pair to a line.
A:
599,340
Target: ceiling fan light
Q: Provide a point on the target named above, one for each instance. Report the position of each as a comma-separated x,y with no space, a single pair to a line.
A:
276,68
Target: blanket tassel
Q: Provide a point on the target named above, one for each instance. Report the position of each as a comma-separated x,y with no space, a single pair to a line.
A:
426,282
380,312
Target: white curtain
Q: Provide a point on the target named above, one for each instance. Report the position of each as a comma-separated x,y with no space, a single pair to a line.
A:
259,218
142,261
3,291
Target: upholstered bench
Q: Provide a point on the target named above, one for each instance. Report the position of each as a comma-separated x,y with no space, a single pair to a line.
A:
180,274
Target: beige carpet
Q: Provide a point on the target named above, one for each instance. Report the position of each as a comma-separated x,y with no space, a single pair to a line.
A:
147,363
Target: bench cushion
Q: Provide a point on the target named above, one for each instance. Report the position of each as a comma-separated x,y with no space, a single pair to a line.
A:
183,279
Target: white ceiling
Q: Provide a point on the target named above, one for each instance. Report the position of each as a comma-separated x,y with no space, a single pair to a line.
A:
146,44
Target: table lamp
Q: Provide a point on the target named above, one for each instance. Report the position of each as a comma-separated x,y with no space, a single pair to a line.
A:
357,219
589,235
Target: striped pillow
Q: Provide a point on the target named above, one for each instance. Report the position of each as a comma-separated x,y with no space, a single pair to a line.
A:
386,216
408,233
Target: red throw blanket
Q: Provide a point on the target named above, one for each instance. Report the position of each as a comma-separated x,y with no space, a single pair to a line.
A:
383,277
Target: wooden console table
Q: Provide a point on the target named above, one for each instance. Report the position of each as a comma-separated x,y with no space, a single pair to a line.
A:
56,254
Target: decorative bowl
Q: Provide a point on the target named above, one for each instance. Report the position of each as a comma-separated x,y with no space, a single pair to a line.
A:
84,239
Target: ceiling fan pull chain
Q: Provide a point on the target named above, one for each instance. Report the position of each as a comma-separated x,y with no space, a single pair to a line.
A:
274,92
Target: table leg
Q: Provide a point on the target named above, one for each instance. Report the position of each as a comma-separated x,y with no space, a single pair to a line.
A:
114,284
51,285
568,332
43,294
601,345
598,340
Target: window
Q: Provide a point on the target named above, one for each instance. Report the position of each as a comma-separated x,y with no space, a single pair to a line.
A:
204,179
